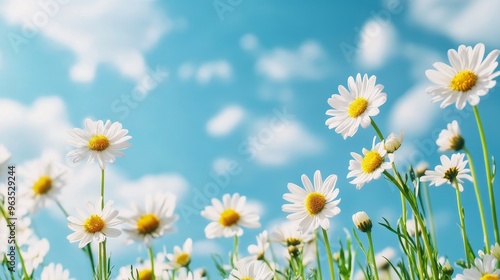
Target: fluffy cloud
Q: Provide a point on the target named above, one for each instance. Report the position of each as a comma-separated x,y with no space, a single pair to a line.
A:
206,72
206,248
31,129
414,113
469,21
225,121
249,42
377,44
281,144
93,31
308,62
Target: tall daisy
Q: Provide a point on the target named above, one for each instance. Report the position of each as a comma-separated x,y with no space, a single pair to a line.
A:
229,216
181,257
43,181
144,224
370,165
313,206
97,225
450,139
354,107
98,141
250,270
484,269
450,171
288,235
258,250
467,79
55,272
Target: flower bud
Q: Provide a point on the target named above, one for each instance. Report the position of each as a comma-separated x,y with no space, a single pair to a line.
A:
447,269
393,142
362,221
421,168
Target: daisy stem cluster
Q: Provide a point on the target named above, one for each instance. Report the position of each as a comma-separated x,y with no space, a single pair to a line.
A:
329,254
103,267
372,254
487,167
318,261
479,200
152,260
462,225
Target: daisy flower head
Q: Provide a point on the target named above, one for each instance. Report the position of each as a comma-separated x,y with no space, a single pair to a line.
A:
251,270
43,181
467,78
494,251
183,274
143,270
450,139
258,250
228,217
484,269
97,225
354,107
370,165
101,141
181,257
288,234
55,272
313,206
362,221
452,171
35,253
152,221
393,142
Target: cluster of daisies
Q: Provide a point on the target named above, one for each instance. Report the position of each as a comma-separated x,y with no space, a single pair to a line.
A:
299,248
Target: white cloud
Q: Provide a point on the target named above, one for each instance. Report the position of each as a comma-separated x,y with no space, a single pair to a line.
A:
249,42
280,145
414,113
97,32
225,121
308,62
256,207
206,248
377,44
468,21
220,165
30,129
206,72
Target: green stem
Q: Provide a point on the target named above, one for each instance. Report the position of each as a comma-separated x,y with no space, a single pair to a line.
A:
479,201
235,248
330,256
430,216
414,208
462,221
61,207
487,167
372,254
421,263
318,261
377,130
152,258
102,246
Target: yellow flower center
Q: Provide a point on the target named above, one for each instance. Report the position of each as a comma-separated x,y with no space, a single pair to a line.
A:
148,223
464,81
371,162
229,217
93,224
457,143
43,185
145,274
315,202
183,259
292,241
451,174
489,277
247,278
357,107
99,143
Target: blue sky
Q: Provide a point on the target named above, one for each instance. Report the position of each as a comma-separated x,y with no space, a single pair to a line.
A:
200,88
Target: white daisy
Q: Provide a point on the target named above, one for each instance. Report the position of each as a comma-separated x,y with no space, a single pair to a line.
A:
99,140
356,106
393,142
450,139
97,225
258,250
42,181
468,77
450,171
253,270
371,165
153,221
362,221
313,206
484,269
55,272
143,270
229,216
494,251
181,257
183,274
288,234
35,253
